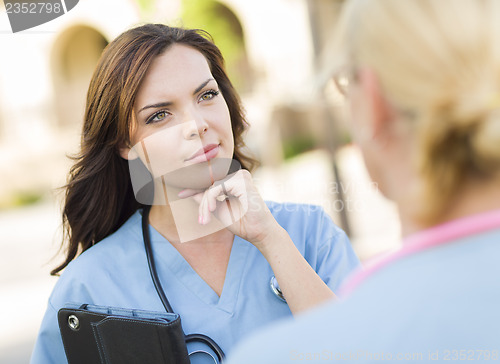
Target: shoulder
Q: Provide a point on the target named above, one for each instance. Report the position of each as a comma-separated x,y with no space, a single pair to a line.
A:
323,244
445,264
306,222
100,261
122,241
308,216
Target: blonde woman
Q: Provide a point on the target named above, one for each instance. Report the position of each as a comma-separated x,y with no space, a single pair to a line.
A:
423,81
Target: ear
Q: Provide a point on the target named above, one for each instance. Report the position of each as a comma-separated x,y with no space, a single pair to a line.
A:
128,153
381,112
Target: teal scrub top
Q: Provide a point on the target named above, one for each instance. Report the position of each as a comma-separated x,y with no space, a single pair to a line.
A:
115,273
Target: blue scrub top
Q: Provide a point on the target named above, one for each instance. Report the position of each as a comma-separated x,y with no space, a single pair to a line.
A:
115,273
438,305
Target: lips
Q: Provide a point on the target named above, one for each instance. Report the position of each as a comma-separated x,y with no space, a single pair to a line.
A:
204,154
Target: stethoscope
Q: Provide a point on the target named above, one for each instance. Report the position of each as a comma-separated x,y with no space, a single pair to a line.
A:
275,288
156,281
204,339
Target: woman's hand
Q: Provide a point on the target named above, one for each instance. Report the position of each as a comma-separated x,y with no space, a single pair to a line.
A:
236,202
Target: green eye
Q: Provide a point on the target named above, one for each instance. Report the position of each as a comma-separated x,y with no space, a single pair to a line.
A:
209,95
159,116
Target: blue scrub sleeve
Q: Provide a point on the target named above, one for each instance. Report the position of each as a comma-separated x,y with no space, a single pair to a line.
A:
334,258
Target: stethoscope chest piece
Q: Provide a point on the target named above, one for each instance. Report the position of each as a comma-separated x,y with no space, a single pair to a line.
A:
275,288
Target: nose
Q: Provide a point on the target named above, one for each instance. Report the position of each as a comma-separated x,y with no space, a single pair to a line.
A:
195,127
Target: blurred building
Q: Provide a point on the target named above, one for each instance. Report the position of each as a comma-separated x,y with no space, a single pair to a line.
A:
44,76
45,71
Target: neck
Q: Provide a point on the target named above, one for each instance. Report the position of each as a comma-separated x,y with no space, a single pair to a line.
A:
473,198
177,219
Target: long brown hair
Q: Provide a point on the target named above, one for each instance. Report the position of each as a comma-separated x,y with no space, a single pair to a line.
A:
99,196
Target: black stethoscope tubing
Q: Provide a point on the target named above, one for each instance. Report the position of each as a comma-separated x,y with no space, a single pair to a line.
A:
156,281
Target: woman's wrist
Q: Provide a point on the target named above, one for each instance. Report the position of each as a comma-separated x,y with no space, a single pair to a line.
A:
273,241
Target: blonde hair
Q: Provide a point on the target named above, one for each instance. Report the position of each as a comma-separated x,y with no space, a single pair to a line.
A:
439,60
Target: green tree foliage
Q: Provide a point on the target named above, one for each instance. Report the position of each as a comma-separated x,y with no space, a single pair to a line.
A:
146,7
226,31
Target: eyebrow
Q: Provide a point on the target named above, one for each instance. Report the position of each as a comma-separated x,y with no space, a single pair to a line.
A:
168,103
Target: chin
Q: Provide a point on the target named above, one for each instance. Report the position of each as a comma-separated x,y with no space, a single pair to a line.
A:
200,176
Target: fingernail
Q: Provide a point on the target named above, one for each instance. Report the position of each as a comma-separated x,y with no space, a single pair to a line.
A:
200,220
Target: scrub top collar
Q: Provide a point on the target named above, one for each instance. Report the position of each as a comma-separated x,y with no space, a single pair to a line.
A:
167,257
438,235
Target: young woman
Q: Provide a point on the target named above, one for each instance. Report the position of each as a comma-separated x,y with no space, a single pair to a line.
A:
160,98
423,82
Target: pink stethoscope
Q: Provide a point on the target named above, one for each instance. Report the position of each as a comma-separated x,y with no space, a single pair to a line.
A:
439,235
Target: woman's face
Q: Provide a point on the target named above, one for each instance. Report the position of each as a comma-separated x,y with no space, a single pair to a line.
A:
181,119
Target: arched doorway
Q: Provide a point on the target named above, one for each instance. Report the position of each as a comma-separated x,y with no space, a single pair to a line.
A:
74,58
